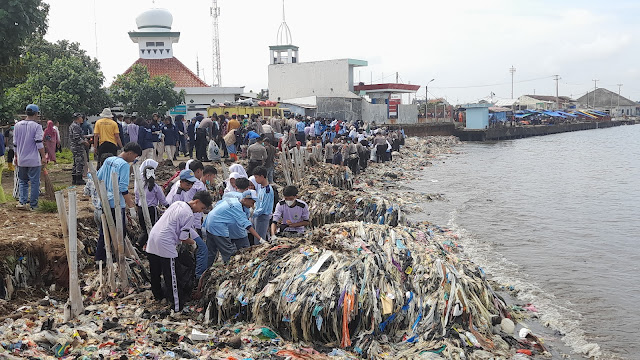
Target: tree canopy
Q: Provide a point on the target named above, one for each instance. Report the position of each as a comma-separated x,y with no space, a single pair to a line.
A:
137,91
61,79
19,21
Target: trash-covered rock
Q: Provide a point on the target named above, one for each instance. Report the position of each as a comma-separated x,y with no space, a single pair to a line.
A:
368,288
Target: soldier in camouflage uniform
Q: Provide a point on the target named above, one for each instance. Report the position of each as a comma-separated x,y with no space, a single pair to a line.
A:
78,145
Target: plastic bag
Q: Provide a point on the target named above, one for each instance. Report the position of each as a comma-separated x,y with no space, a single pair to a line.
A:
213,151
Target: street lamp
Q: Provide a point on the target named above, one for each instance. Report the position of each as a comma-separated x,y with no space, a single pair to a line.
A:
426,99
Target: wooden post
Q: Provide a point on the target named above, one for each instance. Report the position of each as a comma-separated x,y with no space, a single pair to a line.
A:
111,279
285,167
122,263
75,296
143,200
225,169
62,214
104,200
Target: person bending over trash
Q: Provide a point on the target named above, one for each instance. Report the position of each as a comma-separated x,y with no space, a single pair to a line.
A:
179,190
173,227
264,206
203,175
237,234
226,214
291,215
120,166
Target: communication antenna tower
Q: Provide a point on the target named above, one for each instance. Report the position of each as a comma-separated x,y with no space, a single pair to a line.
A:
215,43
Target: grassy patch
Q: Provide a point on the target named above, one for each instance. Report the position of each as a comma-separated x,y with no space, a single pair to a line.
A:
59,187
64,157
46,206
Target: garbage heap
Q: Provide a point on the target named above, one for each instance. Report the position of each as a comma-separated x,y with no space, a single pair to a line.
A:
369,289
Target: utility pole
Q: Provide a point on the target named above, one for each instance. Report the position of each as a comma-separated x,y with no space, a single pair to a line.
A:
396,77
215,43
556,78
619,86
426,99
512,70
595,87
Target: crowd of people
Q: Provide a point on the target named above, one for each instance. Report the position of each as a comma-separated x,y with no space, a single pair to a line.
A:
215,217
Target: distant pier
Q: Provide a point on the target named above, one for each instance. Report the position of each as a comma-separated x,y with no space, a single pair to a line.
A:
504,133
519,132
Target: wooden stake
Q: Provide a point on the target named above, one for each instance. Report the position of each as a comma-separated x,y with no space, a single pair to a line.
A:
122,264
62,215
75,296
225,169
104,200
111,279
143,200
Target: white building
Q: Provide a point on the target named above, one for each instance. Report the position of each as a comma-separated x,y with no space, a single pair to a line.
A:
330,78
155,45
610,102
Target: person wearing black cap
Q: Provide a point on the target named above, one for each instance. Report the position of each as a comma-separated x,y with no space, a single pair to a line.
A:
78,145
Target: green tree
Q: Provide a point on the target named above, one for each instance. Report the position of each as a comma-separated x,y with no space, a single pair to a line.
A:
61,79
137,91
20,20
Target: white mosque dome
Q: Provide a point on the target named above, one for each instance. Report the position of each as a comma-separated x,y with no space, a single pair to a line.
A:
155,20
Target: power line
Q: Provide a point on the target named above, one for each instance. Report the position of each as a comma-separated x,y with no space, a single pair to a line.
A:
498,84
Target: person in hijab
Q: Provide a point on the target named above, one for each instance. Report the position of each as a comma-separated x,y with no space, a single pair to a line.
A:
238,169
51,141
154,197
231,182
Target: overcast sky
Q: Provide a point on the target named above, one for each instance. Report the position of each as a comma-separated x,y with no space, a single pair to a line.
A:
463,44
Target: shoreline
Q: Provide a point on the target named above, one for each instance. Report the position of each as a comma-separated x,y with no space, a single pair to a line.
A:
563,332
504,133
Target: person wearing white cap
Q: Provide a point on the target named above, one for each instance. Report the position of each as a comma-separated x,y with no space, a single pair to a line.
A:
106,137
228,213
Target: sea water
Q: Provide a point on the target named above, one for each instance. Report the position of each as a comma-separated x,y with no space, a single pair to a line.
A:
557,217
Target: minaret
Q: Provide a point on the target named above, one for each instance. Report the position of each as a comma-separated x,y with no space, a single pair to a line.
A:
284,52
154,36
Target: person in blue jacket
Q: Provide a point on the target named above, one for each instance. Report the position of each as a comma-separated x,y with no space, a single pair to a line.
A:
171,138
145,139
182,145
191,132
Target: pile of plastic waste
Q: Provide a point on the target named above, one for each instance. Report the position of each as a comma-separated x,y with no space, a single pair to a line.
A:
371,289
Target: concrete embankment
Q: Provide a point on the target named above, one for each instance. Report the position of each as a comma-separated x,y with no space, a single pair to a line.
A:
504,133
518,132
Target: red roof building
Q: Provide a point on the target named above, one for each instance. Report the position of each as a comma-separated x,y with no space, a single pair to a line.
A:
181,75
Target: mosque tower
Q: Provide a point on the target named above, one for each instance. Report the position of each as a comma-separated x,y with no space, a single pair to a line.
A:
155,42
284,52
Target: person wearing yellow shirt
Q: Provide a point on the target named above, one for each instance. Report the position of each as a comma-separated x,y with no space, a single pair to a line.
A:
106,137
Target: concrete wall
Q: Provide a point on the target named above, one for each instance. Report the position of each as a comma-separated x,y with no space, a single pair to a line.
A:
339,108
407,114
321,78
299,110
374,113
426,129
